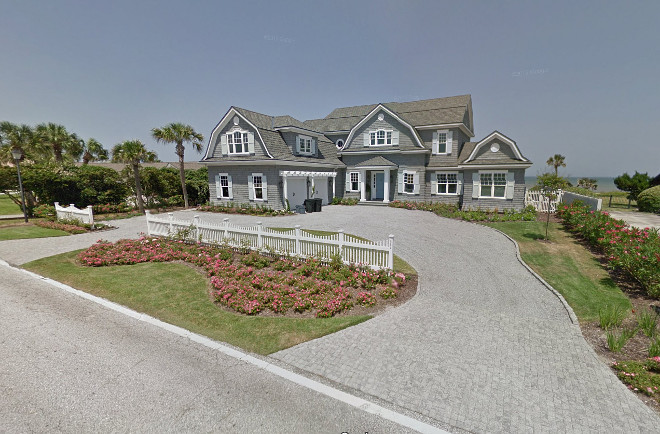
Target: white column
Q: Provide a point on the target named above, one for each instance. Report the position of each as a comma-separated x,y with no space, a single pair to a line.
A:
284,177
334,187
363,185
313,187
386,186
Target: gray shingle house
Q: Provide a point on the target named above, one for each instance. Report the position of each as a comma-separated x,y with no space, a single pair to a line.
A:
411,151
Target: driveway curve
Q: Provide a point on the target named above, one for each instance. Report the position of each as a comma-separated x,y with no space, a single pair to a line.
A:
483,346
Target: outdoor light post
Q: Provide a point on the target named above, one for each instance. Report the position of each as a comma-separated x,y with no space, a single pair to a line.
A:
17,154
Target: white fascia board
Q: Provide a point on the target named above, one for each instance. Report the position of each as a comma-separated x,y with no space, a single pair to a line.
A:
496,166
224,121
384,151
459,125
306,173
391,113
271,163
501,137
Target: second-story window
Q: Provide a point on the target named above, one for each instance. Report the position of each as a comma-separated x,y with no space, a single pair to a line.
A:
237,142
380,138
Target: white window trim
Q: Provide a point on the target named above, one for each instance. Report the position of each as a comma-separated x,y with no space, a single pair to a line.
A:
311,145
415,185
264,188
448,142
231,132
219,187
340,143
437,188
375,144
350,181
492,188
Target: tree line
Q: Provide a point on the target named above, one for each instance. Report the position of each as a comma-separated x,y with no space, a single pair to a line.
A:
50,153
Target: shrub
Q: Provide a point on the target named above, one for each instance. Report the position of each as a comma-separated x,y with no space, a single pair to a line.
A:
649,200
246,208
344,201
451,210
44,211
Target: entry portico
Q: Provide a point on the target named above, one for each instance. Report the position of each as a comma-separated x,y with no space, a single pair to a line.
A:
375,173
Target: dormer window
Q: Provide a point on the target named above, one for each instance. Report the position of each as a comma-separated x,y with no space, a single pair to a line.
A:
305,145
238,142
380,138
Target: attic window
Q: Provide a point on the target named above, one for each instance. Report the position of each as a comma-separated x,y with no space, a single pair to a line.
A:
340,143
380,138
238,142
305,145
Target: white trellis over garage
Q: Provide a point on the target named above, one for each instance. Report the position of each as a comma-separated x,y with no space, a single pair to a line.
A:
294,242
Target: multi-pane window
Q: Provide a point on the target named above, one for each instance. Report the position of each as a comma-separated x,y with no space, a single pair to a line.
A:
224,186
447,183
238,142
380,137
409,182
442,142
258,187
305,145
355,181
493,184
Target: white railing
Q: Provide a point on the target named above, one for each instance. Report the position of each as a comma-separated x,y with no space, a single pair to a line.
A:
294,242
540,202
71,212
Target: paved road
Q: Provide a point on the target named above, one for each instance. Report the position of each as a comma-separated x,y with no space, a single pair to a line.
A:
69,365
483,347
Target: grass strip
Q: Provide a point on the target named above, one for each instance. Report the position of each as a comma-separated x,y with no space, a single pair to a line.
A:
28,231
178,294
568,267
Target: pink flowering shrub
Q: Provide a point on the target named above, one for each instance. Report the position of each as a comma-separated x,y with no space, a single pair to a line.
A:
70,228
636,251
253,283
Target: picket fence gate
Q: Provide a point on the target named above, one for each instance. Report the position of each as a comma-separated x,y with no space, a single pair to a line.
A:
85,215
295,242
540,202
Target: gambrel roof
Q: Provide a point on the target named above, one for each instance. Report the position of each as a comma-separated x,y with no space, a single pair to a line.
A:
437,111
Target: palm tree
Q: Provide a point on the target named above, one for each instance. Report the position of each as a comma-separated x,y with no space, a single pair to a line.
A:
179,133
556,161
59,142
132,153
94,151
15,136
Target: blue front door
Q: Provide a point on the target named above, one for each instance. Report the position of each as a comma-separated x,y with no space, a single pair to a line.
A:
378,186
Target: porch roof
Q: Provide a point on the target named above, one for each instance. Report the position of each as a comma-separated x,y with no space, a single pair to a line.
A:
304,173
377,161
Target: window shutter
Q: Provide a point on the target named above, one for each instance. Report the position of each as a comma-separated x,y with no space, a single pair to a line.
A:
297,151
400,181
314,147
395,138
251,143
450,141
348,181
434,183
231,188
459,184
510,185
250,188
434,147
218,187
416,183
224,147
366,139
264,184
476,185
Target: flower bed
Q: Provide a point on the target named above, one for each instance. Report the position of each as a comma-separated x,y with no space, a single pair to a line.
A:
478,215
252,283
642,377
66,227
636,251
244,209
109,208
344,201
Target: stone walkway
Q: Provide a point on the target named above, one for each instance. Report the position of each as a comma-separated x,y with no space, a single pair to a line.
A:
483,346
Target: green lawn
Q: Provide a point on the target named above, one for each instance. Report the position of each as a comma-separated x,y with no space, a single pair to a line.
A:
567,266
28,231
8,207
179,295
619,201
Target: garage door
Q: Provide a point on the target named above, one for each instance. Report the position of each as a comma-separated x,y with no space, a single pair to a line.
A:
296,191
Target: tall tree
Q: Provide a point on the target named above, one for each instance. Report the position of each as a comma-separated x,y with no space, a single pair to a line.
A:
132,153
94,151
179,134
15,136
556,161
633,184
59,143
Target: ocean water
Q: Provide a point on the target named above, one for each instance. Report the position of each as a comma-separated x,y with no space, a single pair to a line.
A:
605,184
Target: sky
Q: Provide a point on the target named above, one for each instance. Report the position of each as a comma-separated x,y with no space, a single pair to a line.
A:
575,78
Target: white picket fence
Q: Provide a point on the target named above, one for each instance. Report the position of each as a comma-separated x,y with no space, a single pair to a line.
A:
294,242
540,202
84,215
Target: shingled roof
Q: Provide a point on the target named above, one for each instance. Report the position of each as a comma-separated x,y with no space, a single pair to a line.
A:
449,110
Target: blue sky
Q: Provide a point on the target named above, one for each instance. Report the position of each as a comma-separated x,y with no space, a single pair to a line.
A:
576,78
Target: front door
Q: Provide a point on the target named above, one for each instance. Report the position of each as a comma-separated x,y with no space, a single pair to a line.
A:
377,186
